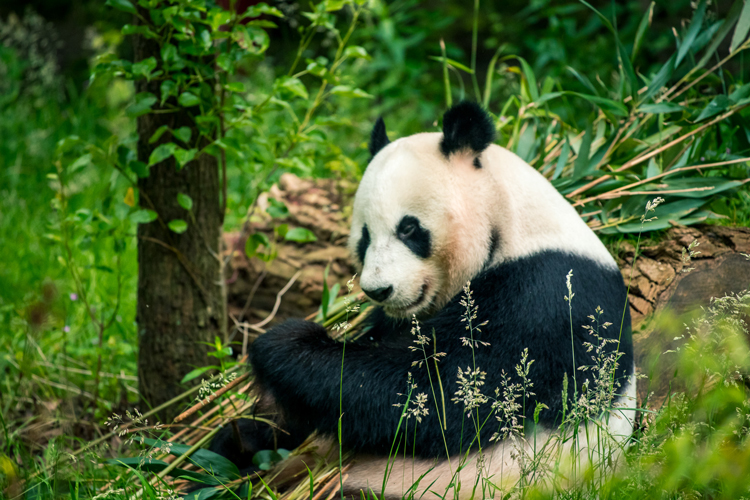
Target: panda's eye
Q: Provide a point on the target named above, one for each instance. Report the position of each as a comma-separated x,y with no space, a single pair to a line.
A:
415,236
405,231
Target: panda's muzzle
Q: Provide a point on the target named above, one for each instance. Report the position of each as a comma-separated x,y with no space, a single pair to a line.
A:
379,294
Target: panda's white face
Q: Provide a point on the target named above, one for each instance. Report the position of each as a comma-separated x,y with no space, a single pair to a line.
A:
420,227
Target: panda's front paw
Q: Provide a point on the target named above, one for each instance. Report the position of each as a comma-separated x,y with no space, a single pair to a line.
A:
274,349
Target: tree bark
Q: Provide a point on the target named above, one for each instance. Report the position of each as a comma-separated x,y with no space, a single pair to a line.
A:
181,303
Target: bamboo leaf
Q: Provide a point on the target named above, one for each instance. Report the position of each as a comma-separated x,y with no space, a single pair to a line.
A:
580,167
726,27
743,26
660,79
625,64
562,160
453,63
692,32
663,107
716,106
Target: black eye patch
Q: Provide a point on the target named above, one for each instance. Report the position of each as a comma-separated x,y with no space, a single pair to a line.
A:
414,236
364,242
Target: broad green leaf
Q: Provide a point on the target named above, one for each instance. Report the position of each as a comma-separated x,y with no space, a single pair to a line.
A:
185,201
79,163
356,51
188,100
253,242
159,132
295,86
178,226
196,373
334,5
743,26
161,153
145,31
347,91
168,88
140,168
183,134
203,459
277,209
262,8
237,87
144,68
143,216
695,25
300,235
641,31
183,156
142,105
123,5
663,107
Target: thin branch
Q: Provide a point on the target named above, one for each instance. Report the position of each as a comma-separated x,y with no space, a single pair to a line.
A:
278,301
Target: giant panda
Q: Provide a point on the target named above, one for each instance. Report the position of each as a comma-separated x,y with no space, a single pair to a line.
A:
433,212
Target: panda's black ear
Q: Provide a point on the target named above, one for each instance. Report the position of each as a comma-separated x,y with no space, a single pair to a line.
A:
378,137
466,126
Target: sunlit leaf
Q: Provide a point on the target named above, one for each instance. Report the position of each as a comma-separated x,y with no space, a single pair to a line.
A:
123,5
178,226
185,201
743,26
300,235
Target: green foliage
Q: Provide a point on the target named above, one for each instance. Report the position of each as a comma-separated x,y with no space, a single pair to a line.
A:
641,139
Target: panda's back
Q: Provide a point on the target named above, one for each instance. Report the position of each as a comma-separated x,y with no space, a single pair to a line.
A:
542,219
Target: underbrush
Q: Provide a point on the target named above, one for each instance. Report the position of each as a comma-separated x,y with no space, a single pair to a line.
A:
690,441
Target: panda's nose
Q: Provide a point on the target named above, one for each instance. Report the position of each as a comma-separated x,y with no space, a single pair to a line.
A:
379,294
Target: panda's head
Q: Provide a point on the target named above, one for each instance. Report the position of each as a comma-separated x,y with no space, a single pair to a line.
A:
423,214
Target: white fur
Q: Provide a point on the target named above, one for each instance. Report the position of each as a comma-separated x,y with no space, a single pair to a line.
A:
460,205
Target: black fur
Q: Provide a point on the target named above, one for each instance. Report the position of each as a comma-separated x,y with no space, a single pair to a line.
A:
414,236
466,126
523,302
364,243
378,137
494,243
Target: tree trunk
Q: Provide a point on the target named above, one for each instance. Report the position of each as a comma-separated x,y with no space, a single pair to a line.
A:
180,288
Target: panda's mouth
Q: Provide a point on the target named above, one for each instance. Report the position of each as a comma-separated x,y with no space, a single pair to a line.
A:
414,306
